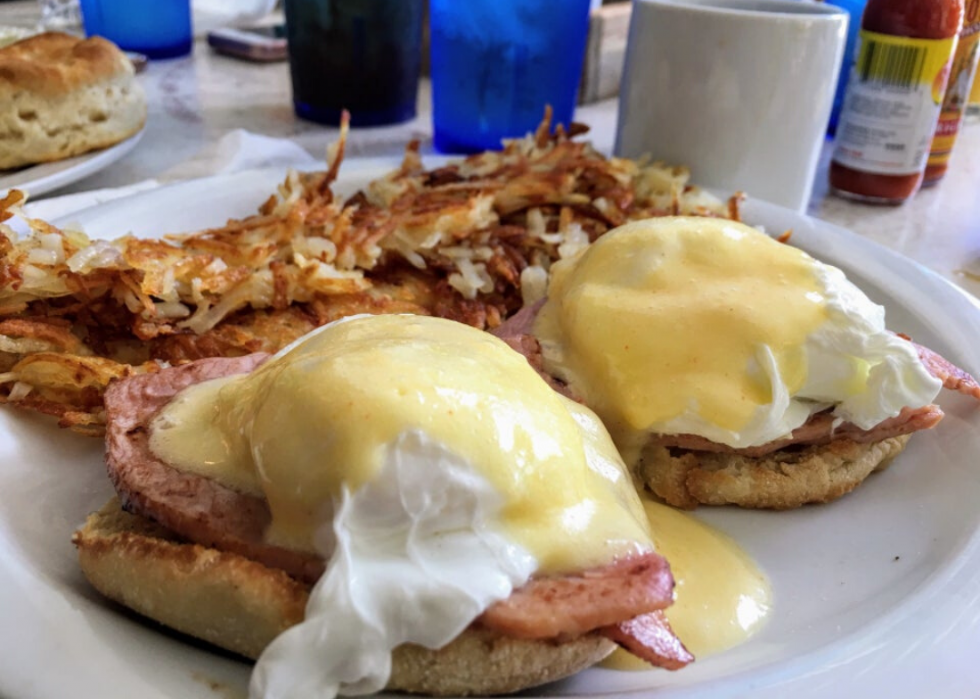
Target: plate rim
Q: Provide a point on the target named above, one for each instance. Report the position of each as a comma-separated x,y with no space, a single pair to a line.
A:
87,164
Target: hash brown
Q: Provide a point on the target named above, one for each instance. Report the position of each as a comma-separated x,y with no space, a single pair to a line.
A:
471,240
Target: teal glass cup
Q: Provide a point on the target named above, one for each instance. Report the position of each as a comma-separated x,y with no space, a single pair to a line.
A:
362,56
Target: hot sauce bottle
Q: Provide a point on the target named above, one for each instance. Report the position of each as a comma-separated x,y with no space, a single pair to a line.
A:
957,94
894,97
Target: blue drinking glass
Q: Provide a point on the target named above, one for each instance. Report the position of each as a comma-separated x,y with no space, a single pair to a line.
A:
157,28
855,9
495,64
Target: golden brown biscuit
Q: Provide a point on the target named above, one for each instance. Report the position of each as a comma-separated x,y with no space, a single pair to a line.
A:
783,480
241,606
62,96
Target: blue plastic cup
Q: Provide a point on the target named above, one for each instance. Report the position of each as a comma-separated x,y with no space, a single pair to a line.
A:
158,28
496,64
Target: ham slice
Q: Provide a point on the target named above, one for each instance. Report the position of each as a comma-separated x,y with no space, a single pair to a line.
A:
821,428
953,378
571,605
196,508
599,598
649,637
521,323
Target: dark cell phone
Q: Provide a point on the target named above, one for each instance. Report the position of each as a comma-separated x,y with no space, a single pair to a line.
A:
265,43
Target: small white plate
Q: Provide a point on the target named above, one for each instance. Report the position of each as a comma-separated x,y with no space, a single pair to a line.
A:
47,177
877,594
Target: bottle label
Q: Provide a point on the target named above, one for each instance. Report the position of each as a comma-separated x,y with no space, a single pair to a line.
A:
892,103
957,91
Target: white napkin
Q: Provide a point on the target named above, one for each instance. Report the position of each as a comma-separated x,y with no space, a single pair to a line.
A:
242,150
236,151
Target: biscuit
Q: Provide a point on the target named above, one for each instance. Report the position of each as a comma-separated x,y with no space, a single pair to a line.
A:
62,96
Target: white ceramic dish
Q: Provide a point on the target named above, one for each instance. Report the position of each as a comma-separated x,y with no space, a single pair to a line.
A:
740,91
47,177
876,594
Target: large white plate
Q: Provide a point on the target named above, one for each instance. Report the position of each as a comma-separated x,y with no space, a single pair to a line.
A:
47,177
876,594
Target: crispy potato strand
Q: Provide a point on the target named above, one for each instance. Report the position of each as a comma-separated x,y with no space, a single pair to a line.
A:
457,241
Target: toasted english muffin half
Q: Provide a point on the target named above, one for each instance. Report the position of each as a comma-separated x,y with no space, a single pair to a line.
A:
240,605
782,480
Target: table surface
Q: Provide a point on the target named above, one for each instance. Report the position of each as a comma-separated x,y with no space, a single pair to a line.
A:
193,101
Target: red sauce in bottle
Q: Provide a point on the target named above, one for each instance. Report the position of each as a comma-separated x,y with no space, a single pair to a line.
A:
893,98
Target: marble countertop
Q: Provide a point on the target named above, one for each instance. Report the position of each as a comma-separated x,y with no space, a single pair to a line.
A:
193,101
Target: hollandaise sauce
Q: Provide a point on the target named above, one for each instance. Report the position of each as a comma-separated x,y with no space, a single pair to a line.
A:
320,417
720,597
713,314
708,327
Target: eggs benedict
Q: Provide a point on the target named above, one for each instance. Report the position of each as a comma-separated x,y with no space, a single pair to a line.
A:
391,501
731,368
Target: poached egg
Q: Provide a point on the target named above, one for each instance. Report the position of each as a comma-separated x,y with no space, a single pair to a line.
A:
689,325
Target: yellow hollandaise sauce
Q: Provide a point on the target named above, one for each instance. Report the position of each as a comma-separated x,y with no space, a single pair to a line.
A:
692,306
322,415
720,597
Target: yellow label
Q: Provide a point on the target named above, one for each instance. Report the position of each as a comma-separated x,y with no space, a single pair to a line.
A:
892,103
904,62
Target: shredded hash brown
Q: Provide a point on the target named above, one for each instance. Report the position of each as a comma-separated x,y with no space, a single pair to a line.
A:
472,241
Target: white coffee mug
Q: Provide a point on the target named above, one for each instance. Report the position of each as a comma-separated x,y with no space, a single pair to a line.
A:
740,91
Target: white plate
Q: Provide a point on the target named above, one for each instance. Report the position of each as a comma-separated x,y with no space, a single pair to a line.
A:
878,593
47,177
